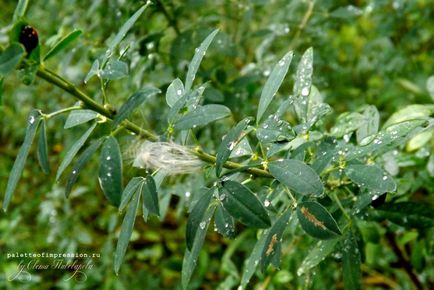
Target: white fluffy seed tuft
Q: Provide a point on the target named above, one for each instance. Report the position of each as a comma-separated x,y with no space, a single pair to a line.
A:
168,157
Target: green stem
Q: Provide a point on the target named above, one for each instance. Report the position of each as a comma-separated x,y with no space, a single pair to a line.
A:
338,202
88,102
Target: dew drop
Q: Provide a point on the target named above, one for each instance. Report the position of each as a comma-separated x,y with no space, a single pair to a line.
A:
202,225
179,92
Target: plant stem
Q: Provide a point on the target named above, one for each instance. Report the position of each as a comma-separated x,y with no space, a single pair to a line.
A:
54,114
303,23
69,87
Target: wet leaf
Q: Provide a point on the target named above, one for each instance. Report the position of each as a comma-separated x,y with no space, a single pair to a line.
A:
317,221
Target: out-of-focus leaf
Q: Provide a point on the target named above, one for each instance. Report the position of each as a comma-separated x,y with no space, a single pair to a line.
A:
316,255
110,171
317,221
243,205
10,58
20,9
17,169
62,44
273,84
253,261
370,125
297,176
114,70
197,59
346,12
408,214
351,261
409,113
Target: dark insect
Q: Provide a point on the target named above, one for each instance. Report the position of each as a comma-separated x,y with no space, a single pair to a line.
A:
29,38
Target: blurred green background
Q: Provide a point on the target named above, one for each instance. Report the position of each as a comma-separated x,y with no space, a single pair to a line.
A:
376,52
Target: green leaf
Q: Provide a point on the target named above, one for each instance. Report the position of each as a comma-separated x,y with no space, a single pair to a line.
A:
150,196
273,84
1,91
78,117
317,221
190,257
253,261
224,222
10,58
110,171
273,240
20,9
316,255
303,82
81,162
133,103
408,214
114,70
371,176
297,176
229,142
324,155
17,169
43,149
411,112
202,116
126,231
129,190
369,126
123,32
73,151
62,44
347,123
94,70
273,130
174,92
387,139
197,59
195,219
243,205
187,102
351,261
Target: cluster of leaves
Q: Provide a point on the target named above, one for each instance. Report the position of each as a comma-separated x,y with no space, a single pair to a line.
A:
284,172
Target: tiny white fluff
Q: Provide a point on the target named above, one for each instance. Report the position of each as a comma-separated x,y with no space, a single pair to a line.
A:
168,157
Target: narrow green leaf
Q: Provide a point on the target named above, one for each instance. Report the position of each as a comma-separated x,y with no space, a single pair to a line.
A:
129,190
324,155
190,258
114,70
126,231
150,196
316,255
43,149
20,10
297,176
174,92
1,91
63,43
81,162
253,261
224,222
73,151
370,125
273,240
230,141
123,32
243,205
187,102
371,176
195,219
273,84
17,169
317,221
407,214
197,59
94,70
10,58
303,82
351,262
110,171
133,103
347,123
202,116
78,117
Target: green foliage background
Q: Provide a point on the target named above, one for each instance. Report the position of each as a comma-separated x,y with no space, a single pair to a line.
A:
375,52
